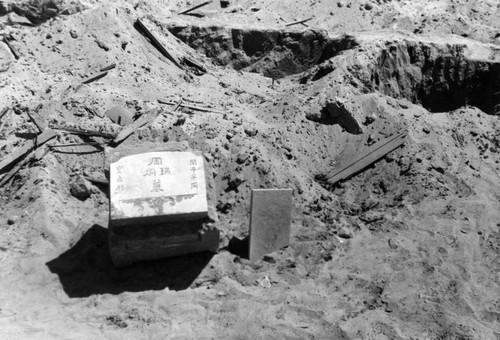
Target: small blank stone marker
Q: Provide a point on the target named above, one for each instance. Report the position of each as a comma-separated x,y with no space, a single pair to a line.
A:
270,219
120,115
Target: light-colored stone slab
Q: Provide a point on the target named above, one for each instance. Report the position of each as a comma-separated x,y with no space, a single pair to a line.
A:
270,219
155,187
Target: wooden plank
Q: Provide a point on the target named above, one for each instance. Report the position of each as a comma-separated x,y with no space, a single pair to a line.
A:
157,44
299,22
192,107
77,131
376,152
195,7
146,118
94,77
27,147
362,154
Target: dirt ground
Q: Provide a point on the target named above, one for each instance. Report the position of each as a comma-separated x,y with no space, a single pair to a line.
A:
409,248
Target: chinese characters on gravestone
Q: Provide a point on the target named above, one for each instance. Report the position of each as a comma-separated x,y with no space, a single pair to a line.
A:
157,186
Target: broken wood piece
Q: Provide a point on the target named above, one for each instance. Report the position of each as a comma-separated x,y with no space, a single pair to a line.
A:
177,106
367,157
94,77
11,48
92,179
73,144
157,44
95,112
146,118
14,170
37,120
192,107
302,23
270,220
192,63
195,7
77,131
107,68
27,147
4,112
299,22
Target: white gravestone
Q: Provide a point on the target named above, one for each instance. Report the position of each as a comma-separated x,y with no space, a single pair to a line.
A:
157,186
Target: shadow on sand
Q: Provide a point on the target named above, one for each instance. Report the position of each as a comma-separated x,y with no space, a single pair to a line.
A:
86,269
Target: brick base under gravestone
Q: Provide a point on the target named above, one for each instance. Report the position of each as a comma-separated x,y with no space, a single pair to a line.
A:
149,241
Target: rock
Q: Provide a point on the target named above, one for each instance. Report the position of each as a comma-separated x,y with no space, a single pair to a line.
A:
12,220
80,188
73,34
345,232
102,45
242,157
251,131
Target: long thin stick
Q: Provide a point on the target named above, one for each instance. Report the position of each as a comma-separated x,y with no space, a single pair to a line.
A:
94,77
196,7
299,22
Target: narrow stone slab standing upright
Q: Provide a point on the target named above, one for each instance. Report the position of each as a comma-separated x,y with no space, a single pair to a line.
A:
270,219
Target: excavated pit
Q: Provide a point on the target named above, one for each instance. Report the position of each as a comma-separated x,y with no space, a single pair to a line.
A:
274,53
440,78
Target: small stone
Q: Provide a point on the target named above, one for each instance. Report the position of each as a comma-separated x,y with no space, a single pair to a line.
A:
368,6
102,45
73,34
242,157
80,188
48,36
12,220
345,232
251,131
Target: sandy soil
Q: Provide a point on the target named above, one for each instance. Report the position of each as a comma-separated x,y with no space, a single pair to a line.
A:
407,249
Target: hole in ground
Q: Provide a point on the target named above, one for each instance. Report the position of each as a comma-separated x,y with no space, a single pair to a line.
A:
275,53
439,78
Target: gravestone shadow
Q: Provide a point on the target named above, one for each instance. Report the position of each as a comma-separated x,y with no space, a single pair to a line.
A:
86,269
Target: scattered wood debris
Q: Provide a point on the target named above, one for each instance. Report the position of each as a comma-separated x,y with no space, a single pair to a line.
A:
85,132
37,119
32,155
192,107
143,25
195,7
299,22
171,47
27,147
146,118
370,155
